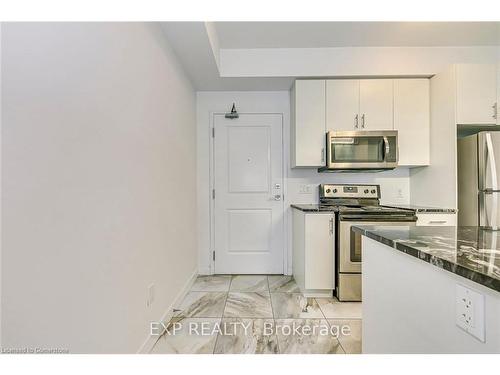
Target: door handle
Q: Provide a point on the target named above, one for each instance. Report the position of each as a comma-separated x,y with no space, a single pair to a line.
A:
387,148
494,179
437,222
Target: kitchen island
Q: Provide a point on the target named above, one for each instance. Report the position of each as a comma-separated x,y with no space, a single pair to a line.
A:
430,289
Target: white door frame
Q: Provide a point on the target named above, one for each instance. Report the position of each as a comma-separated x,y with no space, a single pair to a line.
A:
212,185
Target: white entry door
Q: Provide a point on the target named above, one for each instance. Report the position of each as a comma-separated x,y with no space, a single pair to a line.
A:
248,171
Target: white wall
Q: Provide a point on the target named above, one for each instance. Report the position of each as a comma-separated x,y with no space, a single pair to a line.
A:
409,306
394,184
98,180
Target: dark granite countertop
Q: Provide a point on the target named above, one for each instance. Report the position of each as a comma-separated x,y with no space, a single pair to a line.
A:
470,252
313,208
423,209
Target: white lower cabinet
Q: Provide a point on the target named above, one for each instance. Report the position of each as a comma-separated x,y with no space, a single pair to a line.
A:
314,252
436,219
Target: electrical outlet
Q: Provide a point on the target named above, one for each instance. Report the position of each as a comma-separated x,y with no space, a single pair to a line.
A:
305,189
470,311
151,295
400,193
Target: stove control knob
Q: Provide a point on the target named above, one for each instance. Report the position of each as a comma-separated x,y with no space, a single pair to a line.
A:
374,191
334,190
366,191
328,190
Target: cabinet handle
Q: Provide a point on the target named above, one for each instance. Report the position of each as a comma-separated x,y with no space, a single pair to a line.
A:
322,155
495,110
331,226
437,222
363,121
356,121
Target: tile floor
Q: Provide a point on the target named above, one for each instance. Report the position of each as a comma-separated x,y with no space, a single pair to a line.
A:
256,314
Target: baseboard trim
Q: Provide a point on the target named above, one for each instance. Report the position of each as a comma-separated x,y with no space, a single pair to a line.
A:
148,344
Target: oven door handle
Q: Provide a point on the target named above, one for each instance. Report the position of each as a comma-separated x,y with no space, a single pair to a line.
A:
387,148
377,218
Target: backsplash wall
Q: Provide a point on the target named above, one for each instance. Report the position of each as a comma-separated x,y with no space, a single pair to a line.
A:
302,184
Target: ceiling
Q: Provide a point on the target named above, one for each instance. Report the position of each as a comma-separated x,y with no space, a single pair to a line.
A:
355,34
192,46
200,46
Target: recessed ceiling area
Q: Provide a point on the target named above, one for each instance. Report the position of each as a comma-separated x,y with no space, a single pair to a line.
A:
267,56
355,34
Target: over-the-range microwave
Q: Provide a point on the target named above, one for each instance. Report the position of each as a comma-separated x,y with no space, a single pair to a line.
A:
357,151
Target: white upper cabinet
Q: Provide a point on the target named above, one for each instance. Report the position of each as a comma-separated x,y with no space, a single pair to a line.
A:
412,120
476,93
308,121
342,104
376,104
318,106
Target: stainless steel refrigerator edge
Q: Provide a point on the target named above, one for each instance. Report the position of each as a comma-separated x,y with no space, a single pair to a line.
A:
478,190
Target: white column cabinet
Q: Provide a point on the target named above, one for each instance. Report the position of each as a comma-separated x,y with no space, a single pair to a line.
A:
476,93
376,104
342,104
308,114
412,120
314,252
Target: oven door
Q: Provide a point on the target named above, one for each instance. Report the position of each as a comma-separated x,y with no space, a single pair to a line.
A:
362,150
349,245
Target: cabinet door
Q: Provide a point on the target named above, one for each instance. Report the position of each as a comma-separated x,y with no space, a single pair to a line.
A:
319,251
446,220
376,104
411,120
476,93
308,123
342,104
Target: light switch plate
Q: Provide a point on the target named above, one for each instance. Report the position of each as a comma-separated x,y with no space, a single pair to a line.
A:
469,311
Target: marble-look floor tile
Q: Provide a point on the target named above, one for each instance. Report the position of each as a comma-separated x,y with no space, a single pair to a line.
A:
285,284
247,336
294,305
248,305
332,308
187,336
202,305
215,283
306,336
350,338
249,283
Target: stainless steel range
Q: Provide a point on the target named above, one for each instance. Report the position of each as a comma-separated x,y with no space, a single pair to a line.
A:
356,205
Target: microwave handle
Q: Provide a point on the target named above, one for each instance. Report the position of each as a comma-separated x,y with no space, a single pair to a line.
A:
387,148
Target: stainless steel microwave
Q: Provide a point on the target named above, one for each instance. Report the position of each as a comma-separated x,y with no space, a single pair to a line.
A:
357,151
